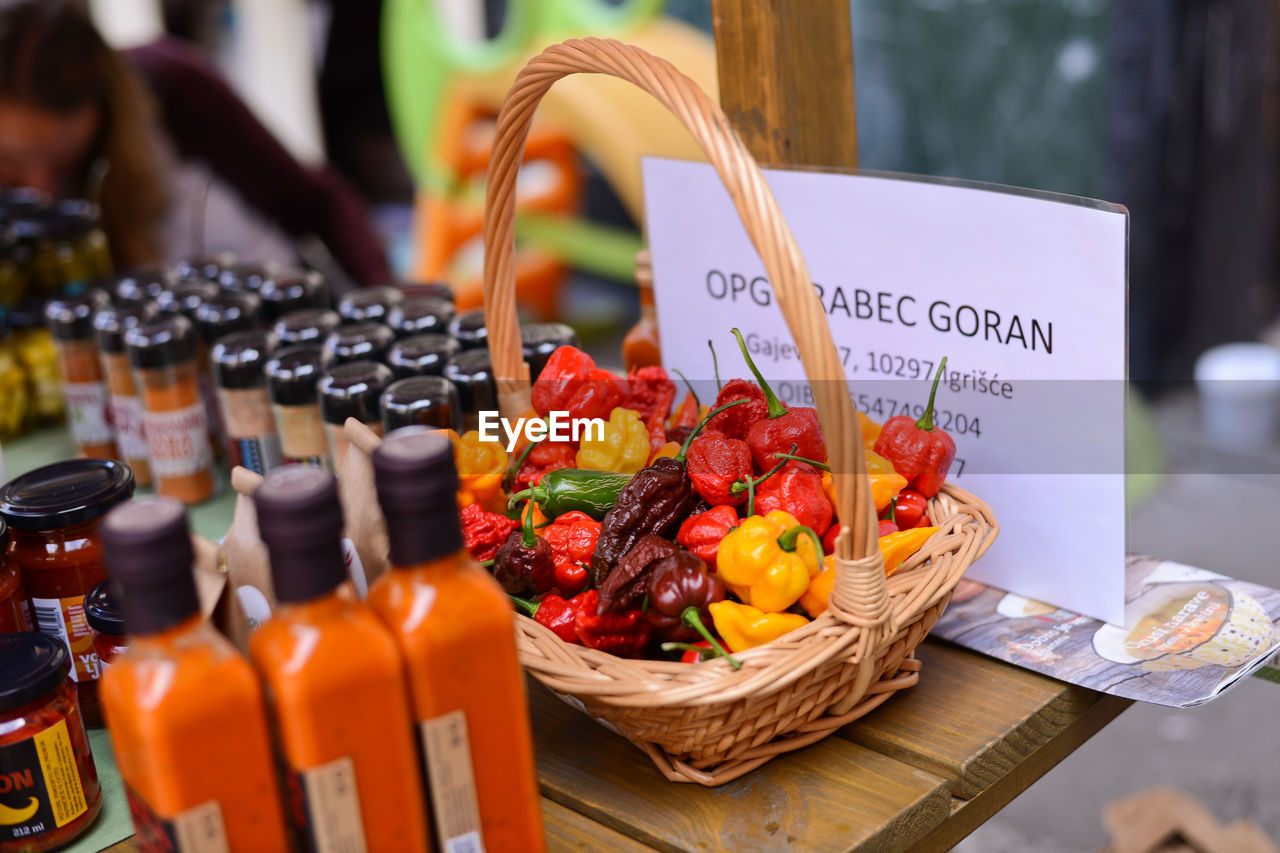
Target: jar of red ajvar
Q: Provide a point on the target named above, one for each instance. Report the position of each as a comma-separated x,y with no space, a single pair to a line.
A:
49,791
102,609
15,615
53,514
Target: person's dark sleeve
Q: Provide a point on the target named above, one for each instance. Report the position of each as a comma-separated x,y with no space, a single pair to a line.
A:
207,121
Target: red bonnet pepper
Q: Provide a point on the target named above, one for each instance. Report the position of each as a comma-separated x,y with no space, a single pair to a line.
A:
554,612
919,451
650,392
542,458
702,533
571,382
572,538
715,462
736,421
783,426
624,633
687,414
796,489
483,532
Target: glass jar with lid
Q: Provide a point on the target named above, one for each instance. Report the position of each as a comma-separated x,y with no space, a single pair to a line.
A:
84,387
102,610
290,290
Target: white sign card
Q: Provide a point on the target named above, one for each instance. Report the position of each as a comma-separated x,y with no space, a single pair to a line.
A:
1024,293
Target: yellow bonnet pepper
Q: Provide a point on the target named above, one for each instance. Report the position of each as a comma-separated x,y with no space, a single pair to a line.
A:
886,483
744,627
870,431
766,562
670,449
815,598
481,465
895,548
624,448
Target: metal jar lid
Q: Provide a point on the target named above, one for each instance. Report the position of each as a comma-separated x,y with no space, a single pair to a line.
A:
65,493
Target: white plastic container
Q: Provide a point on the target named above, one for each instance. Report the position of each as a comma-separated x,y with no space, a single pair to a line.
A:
1239,387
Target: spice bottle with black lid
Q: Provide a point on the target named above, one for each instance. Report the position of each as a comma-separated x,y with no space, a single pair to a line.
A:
230,311
185,709
306,326
292,374
438,289
418,315
429,401
540,340
290,290
204,267
185,298
245,275
471,373
141,284
239,362
367,341
369,303
350,390
110,324
84,387
335,680
103,613
469,330
422,355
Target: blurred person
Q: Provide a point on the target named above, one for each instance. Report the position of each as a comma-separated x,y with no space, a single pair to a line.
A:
183,165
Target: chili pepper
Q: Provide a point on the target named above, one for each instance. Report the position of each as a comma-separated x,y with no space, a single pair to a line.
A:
678,582
481,465
693,652
716,462
897,547
524,564
568,489
796,489
650,392
656,500
542,458
483,532
745,627
783,427
870,431
736,422
749,484
572,538
918,449
670,449
715,364
554,612
571,382
623,634
623,447
765,563
911,510
686,415
703,532
626,583
816,597
885,481
889,524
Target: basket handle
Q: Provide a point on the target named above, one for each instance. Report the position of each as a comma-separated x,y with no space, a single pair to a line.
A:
860,593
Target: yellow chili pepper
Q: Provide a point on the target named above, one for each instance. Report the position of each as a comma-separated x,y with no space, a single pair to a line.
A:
481,465
885,482
743,627
624,448
870,431
766,562
815,598
895,548
670,449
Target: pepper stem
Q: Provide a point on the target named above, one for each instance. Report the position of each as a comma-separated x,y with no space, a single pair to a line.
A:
533,493
815,463
703,651
893,509
689,385
751,497
526,606
926,420
684,449
715,364
746,484
776,409
514,470
693,619
787,541
529,539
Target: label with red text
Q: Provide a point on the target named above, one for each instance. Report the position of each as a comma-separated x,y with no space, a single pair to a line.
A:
87,411
179,441
126,416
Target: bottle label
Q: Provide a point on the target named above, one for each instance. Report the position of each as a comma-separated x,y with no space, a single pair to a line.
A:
197,830
87,411
330,818
64,618
126,416
446,752
40,786
250,429
179,441
259,454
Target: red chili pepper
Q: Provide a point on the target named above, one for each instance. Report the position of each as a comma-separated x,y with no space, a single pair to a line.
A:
919,451
543,457
694,652
571,382
688,413
573,540
736,421
554,612
910,510
796,489
715,462
650,392
483,532
702,533
829,538
624,633
781,427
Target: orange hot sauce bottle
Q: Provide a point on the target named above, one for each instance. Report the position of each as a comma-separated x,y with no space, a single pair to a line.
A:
454,625
184,707
335,681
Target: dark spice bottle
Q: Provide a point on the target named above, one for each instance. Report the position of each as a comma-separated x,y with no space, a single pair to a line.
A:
245,275
540,340
232,311
430,401
471,373
366,341
369,303
110,324
306,326
417,315
204,267
350,390
84,387
469,330
438,289
422,355
141,284
291,290
292,374
239,362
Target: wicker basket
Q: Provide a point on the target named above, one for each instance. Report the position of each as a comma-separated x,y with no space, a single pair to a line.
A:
709,723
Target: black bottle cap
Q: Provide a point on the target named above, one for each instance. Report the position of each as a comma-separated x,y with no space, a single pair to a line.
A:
420,314
539,340
469,329
69,219
306,325
164,341
290,290
245,275
300,521
205,267
422,355
239,358
22,201
438,289
231,311
429,401
369,303
102,609
71,318
292,374
65,493
113,321
352,390
32,665
368,341
142,284
417,483
471,372
147,546
186,297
